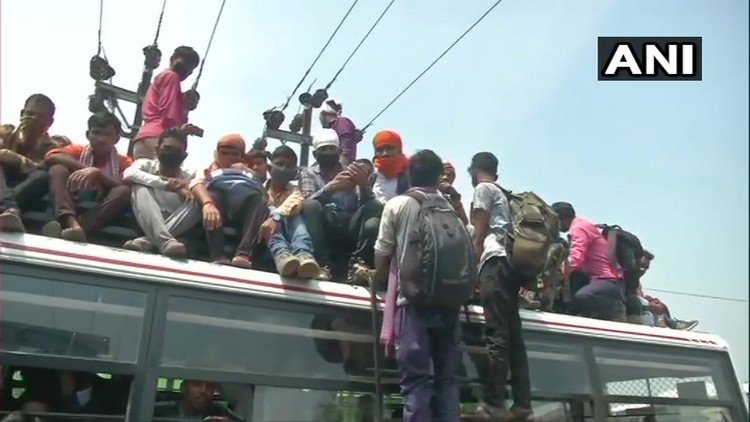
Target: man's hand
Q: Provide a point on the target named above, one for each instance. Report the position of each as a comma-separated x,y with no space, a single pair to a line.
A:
186,194
359,174
343,181
269,228
211,216
86,175
192,129
176,185
241,166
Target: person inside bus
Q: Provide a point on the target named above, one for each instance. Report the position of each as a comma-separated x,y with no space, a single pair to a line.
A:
162,202
331,118
231,194
391,166
91,172
499,290
84,393
340,212
165,105
285,231
427,341
604,295
22,180
196,403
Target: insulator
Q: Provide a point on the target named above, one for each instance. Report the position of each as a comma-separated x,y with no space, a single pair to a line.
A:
274,118
96,103
152,56
296,124
191,99
358,135
318,98
305,98
99,69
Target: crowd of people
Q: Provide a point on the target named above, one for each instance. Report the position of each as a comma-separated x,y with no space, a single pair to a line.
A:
328,221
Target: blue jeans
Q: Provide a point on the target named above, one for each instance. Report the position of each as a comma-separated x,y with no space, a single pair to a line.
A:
599,298
293,237
428,342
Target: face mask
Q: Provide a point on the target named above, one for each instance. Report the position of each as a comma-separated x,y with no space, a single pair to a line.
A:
282,175
171,158
327,161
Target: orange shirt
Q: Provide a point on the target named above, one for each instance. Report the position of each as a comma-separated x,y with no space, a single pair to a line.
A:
76,151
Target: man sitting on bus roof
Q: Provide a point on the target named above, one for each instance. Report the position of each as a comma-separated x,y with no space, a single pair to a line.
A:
162,201
197,402
391,164
604,295
232,194
88,172
340,212
21,155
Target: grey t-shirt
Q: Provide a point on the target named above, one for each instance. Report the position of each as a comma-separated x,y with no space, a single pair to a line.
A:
490,198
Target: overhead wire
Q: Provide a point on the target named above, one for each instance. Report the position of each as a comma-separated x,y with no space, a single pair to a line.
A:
210,40
325,46
158,25
101,15
731,299
431,64
362,41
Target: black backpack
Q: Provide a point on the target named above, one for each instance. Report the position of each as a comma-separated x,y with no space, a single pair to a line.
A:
438,268
627,253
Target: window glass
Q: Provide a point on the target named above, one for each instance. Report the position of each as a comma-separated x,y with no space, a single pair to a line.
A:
71,319
305,405
191,399
622,412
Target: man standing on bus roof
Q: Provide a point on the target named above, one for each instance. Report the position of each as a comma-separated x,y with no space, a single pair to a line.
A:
165,104
499,288
21,155
88,172
162,202
604,295
331,118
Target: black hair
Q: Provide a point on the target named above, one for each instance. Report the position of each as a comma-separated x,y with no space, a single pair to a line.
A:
564,210
257,153
175,133
334,105
190,55
425,169
364,161
103,119
485,162
41,98
648,255
284,151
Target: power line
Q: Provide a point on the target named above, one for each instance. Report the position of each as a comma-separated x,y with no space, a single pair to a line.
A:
432,64
731,299
158,25
307,72
210,40
359,45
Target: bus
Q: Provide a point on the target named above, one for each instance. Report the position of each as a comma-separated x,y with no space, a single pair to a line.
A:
126,334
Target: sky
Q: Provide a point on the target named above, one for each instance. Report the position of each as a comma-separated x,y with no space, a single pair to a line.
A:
667,161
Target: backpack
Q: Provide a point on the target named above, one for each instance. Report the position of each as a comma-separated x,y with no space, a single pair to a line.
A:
533,243
626,252
437,267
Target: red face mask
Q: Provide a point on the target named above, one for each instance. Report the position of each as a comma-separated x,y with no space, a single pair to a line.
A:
392,166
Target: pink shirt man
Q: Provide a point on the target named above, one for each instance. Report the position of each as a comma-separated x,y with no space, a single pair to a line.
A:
589,251
164,106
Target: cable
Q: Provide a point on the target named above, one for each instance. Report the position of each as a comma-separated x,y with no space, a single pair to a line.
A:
432,64
359,45
210,40
294,91
158,25
101,14
699,295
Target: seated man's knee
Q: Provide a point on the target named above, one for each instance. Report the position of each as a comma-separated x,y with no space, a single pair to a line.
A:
58,170
311,207
371,228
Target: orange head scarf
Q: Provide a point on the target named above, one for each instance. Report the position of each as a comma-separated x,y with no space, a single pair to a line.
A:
390,166
233,140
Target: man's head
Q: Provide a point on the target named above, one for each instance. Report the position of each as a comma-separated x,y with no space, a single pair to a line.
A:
61,140
387,144
566,212
37,116
184,60
104,132
172,148
257,162
483,166
425,169
367,163
197,396
229,150
326,148
283,165
645,261
330,111
449,173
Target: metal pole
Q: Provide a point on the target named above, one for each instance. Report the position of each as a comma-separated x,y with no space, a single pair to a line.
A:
304,150
138,118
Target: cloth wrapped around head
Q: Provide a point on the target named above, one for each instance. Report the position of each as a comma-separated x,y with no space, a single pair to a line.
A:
331,106
390,165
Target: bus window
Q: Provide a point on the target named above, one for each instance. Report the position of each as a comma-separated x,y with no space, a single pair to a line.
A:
193,399
65,395
52,317
306,405
633,412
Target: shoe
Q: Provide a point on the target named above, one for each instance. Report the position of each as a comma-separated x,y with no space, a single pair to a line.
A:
521,414
324,274
687,325
74,234
139,245
487,413
286,263
526,300
10,220
308,266
174,249
52,229
242,261
222,261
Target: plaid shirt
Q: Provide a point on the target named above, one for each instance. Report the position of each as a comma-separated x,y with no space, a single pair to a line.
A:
314,185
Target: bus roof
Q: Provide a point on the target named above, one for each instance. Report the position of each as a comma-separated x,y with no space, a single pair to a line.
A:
61,254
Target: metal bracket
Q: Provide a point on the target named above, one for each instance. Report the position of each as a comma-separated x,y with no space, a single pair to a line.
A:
119,93
287,136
